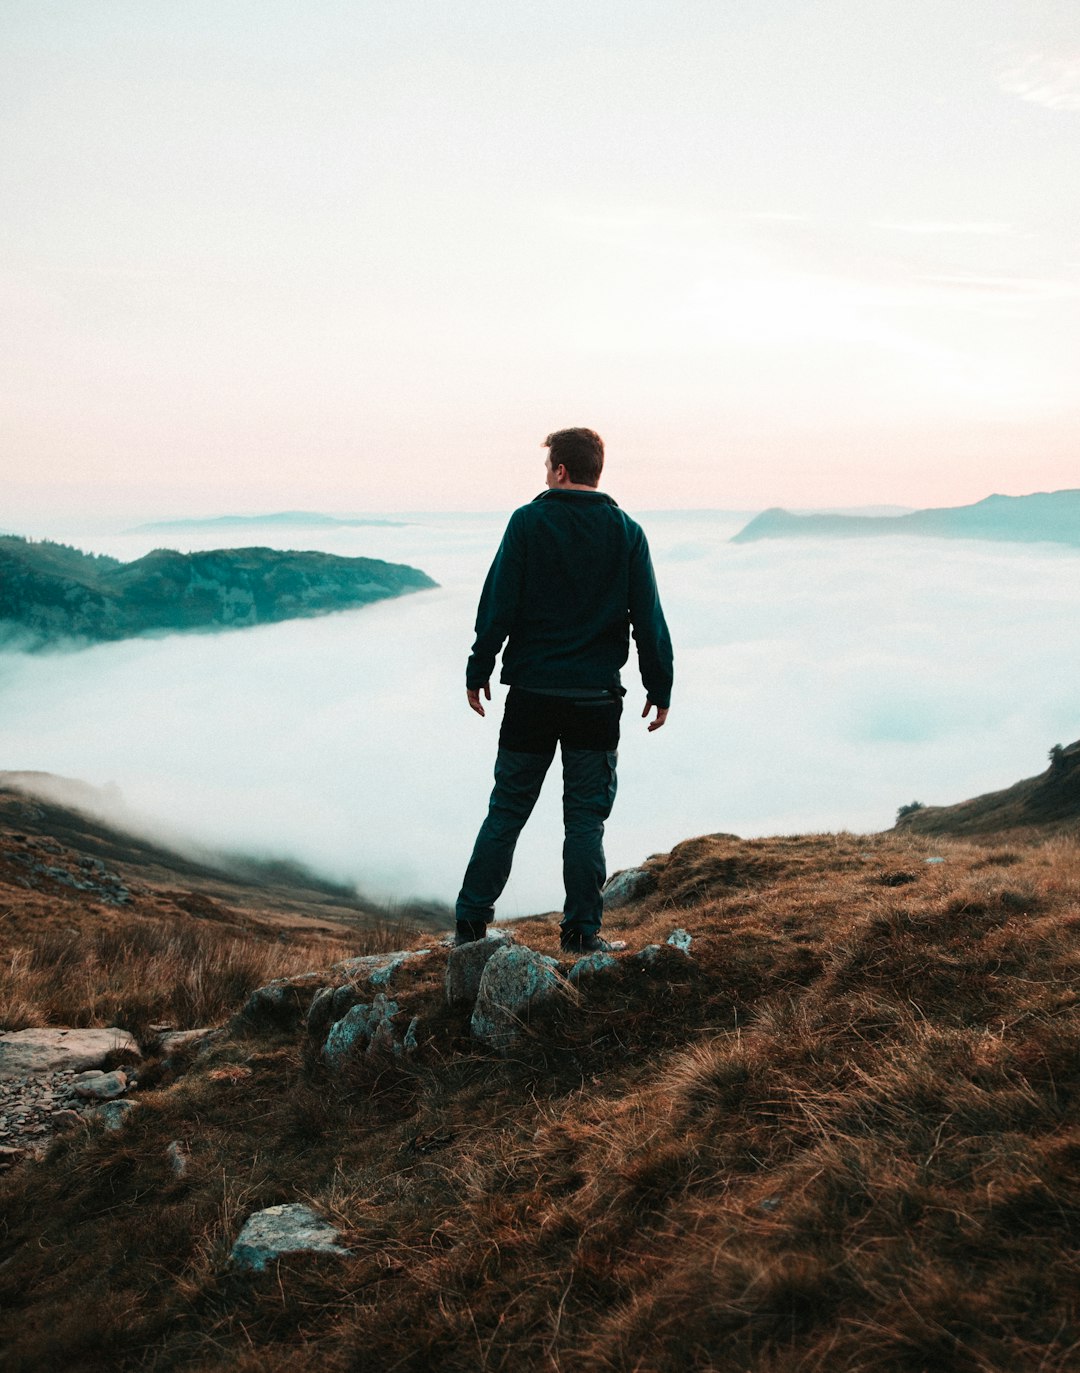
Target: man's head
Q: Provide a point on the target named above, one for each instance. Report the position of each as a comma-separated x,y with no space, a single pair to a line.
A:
580,452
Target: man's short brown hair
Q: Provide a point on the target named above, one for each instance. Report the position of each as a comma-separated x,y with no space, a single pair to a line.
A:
580,451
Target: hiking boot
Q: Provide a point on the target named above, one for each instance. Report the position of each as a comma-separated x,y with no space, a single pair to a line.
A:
574,941
469,931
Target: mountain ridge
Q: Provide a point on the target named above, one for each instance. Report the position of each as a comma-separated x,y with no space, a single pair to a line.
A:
51,592
1040,517
1049,800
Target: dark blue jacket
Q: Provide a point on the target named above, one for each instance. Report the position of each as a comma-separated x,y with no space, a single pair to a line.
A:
571,576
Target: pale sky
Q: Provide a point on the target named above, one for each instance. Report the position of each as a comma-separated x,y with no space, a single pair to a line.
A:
357,256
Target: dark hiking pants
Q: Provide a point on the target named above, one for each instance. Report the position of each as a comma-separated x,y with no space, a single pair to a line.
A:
588,730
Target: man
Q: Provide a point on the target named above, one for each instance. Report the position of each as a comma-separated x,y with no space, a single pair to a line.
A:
570,579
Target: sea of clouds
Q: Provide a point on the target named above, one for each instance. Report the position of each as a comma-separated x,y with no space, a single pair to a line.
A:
819,685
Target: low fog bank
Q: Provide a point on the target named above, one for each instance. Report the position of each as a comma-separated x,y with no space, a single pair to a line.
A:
817,687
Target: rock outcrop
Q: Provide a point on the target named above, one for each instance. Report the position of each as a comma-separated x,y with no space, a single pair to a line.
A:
367,1029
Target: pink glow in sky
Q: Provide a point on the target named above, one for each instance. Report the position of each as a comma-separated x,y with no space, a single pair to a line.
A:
365,256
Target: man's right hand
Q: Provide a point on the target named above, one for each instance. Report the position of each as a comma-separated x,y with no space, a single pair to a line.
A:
661,715
474,698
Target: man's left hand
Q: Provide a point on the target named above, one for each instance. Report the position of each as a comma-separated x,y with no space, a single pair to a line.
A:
661,715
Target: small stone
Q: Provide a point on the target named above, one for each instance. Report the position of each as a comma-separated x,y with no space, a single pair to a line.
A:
649,954
103,1088
177,1154
113,1113
680,939
592,963
289,1229
68,1120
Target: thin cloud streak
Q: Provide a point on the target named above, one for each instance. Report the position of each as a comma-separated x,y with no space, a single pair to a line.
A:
1045,79
986,228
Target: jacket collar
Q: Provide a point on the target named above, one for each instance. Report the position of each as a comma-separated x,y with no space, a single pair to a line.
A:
561,494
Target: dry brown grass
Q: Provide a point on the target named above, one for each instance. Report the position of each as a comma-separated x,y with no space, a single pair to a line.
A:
133,970
845,1136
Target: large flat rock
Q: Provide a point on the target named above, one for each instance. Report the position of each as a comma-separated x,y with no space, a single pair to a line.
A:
54,1047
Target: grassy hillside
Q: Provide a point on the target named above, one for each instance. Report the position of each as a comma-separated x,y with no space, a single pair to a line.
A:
843,1135
1049,801
51,591
100,926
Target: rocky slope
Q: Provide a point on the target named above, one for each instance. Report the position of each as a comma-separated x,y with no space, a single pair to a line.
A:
50,592
60,856
1044,517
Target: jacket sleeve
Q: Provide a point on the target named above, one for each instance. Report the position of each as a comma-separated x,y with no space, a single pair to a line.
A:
498,607
650,628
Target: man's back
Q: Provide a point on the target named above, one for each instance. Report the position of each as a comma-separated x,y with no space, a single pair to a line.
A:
571,575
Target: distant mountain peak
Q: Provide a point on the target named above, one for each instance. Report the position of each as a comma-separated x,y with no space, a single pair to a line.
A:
1041,517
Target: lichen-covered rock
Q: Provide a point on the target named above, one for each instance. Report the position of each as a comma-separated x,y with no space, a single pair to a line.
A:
43,1050
281,1004
343,1000
678,940
320,1012
630,885
515,978
289,1229
592,963
377,968
113,1113
364,1029
465,966
328,1006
